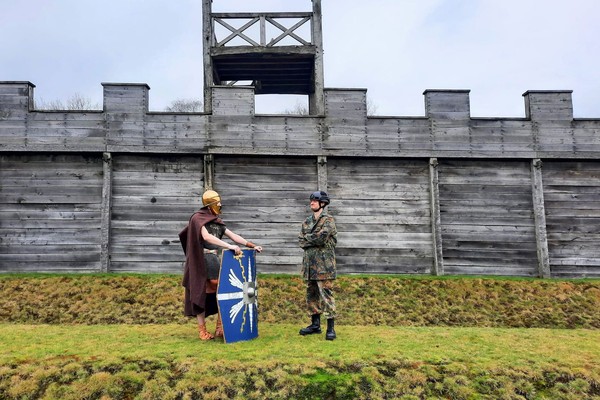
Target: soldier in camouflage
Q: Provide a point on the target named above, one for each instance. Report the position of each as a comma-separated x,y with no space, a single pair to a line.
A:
318,239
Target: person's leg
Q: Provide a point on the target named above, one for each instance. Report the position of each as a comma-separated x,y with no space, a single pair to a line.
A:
219,327
202,332
211,287
328,306
313,304
326,298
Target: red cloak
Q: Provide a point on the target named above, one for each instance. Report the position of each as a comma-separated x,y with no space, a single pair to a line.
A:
194,274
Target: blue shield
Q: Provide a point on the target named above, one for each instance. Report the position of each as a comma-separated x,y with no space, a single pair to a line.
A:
237,296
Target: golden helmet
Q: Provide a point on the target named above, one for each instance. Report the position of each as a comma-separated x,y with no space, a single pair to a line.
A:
212,200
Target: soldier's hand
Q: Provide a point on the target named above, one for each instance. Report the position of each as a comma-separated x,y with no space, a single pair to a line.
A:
258,248
236,250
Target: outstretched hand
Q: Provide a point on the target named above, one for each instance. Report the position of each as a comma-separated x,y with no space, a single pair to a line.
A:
236,250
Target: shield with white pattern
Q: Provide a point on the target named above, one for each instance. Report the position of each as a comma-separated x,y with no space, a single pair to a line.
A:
237,296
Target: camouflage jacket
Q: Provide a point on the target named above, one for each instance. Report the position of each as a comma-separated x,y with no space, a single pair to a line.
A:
318,239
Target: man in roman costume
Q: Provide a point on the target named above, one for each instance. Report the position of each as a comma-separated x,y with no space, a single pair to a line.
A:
201,241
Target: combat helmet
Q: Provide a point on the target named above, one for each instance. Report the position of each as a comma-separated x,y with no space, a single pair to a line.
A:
321,197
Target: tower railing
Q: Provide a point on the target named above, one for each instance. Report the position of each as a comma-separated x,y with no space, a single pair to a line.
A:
266,21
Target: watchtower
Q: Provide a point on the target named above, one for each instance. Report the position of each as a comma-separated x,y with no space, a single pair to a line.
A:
265,50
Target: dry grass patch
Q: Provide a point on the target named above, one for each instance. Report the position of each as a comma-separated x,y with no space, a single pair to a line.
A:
362,300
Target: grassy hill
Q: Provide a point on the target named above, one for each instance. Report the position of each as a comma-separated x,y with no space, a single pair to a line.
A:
124,337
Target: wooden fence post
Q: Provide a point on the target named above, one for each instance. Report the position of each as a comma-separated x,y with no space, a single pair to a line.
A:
539,213
436,222
105,213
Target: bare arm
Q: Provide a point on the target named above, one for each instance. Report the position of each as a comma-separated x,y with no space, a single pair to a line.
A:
218,242
238,239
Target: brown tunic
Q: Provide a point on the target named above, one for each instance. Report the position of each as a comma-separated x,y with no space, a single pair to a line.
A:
195,274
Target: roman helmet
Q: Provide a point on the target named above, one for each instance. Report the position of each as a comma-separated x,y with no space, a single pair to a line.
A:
321,197
212,200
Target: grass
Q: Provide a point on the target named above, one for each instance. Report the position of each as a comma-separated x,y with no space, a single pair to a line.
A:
362,300
374,362
123,337
482,347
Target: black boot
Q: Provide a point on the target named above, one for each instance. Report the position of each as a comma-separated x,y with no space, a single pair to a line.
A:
315,327
330,334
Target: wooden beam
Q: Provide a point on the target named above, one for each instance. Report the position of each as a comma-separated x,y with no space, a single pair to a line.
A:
236,32
263,31
243,15
539,212
106,213
322,173
209,171
207,41
317,98
288,31
436,221
242,52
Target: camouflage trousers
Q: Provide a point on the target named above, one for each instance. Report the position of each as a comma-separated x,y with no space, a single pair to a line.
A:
319,298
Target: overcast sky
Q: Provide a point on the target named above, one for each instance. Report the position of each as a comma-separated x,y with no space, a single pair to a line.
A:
395,49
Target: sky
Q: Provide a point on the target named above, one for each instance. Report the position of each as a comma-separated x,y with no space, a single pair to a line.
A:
396,49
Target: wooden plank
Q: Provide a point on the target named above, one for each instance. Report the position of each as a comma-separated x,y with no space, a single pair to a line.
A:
53,249
435,219
38,223
147,267
50,267
105,212
476,246
48,257
495,270
489,237
42,237
539,213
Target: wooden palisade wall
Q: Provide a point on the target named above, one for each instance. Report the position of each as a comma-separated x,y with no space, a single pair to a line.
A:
109,190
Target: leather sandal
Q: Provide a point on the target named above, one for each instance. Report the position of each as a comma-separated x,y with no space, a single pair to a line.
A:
203,333
219,328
